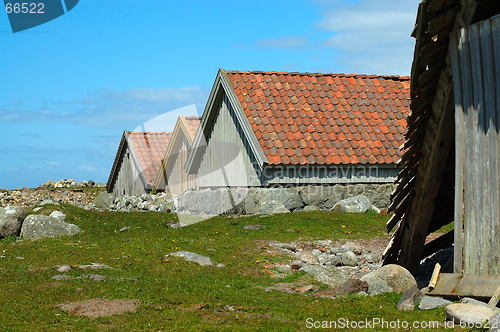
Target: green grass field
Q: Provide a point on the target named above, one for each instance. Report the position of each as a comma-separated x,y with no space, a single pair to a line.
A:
177,295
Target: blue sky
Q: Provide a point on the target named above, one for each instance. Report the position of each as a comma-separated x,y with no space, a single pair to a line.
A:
71,86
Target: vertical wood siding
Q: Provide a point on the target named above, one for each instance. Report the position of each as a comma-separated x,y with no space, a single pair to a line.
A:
178,179
327,174
128,181
227,160
476,80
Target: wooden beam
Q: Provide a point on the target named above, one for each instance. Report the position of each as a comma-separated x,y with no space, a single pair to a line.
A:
459,285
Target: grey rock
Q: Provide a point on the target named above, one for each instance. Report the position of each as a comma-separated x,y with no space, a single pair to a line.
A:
411,298
47,202
37,209
432,302
10,220
58,215
296,265
494,323
357,204
307,258
469,300
284,268
467,313
371,257
329,260
192,257
311,208
316,252
63,268
38,226
332,276
253,227
93,266
348,258
62,277
220,265
285,246
323,197
389,278
338,250
103,200
322,243
271,207
289,198
124,229
95,277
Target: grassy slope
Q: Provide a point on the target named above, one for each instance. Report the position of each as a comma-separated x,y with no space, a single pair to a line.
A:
169,290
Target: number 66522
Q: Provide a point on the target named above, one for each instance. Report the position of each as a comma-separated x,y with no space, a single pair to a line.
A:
25,8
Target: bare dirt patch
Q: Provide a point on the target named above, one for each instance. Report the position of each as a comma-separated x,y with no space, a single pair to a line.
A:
99,308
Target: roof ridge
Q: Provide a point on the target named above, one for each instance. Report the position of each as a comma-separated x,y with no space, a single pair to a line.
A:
257,72
150,132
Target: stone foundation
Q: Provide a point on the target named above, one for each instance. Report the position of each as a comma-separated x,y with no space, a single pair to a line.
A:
236,201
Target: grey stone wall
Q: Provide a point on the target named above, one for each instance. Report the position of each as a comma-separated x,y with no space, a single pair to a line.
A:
225,201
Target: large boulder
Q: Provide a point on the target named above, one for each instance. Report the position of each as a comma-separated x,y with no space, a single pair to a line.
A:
221,201
10,220
323,197
103,200
270,200
192,257
358,204
432,302
332,276
469,314
389,278
38,226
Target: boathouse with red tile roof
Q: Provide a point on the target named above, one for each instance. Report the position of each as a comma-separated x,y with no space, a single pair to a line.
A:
172,173
278,128
137,162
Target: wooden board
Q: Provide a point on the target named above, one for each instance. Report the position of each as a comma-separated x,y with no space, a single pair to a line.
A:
459,285
476,62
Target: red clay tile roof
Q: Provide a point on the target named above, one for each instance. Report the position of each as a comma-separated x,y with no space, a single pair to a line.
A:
149,148
306,118
192,124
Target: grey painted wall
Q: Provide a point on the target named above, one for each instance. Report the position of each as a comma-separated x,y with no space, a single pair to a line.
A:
227,160
128,181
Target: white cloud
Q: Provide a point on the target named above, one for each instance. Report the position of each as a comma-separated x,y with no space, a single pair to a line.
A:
53,163
371,36
109,108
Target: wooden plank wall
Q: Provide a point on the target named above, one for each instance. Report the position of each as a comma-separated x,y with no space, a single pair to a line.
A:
128,181
227,160
476,80
326,174
178,179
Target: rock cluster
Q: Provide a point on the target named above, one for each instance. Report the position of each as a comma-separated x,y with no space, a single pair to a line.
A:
14,222
71,183
33,197
345,269
237,201
161,202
